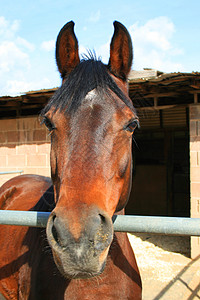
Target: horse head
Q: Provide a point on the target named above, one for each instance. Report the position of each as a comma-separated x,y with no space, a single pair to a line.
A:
91,120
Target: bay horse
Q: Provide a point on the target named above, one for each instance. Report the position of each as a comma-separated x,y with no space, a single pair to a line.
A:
91,120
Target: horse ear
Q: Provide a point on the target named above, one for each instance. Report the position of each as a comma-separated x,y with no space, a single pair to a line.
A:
121,52
67,56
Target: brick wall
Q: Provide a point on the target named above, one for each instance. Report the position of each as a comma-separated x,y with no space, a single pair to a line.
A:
24,145
195,172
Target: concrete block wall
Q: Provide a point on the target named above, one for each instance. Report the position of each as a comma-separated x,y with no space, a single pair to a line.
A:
195,172
24,145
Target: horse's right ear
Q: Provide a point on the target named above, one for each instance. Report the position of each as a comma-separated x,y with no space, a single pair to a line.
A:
121,52
67,56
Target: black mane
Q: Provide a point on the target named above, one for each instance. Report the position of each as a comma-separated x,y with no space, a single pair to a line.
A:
88,75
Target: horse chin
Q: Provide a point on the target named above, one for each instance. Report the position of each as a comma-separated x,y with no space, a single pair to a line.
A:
78,270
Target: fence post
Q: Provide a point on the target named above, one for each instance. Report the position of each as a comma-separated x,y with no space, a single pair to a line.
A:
195,172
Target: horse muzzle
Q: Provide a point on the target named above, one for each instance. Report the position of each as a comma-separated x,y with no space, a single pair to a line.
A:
80,245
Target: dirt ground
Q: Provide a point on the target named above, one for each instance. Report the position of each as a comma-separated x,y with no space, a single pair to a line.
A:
167,271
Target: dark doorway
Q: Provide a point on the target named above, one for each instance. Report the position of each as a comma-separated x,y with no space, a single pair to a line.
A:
161,179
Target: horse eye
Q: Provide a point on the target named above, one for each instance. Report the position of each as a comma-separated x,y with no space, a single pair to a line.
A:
132,125
49,125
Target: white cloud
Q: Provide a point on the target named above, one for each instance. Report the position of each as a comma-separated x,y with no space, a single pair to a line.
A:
48,45
17,85
153,46
95,16
21,71
12,57
156,32
24,43
23,85
23,66
15,60
8,29
104,52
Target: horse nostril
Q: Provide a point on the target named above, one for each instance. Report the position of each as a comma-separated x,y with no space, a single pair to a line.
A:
104,234
102,218
54,231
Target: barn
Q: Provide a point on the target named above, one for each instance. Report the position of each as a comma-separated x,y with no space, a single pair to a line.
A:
166,148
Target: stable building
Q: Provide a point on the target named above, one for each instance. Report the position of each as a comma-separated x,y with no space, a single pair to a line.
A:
166,148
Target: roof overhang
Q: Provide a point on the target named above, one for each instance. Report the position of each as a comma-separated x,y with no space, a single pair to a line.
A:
148,89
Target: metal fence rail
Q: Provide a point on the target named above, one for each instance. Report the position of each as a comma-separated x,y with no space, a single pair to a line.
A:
11,172
134,224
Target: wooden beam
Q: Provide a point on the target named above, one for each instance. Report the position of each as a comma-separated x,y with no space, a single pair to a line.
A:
197,86
195,98
160,95
10,104
195,92
152,108
155,101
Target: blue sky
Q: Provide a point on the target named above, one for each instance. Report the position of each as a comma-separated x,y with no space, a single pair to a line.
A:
165,34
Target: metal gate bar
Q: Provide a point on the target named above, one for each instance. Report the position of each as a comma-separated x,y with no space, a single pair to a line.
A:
11,172
134,224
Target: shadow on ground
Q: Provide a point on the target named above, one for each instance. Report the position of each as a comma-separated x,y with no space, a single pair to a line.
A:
176,244
185,285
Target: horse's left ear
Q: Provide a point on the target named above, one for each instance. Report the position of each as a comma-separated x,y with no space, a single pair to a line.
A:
67,56
121,52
